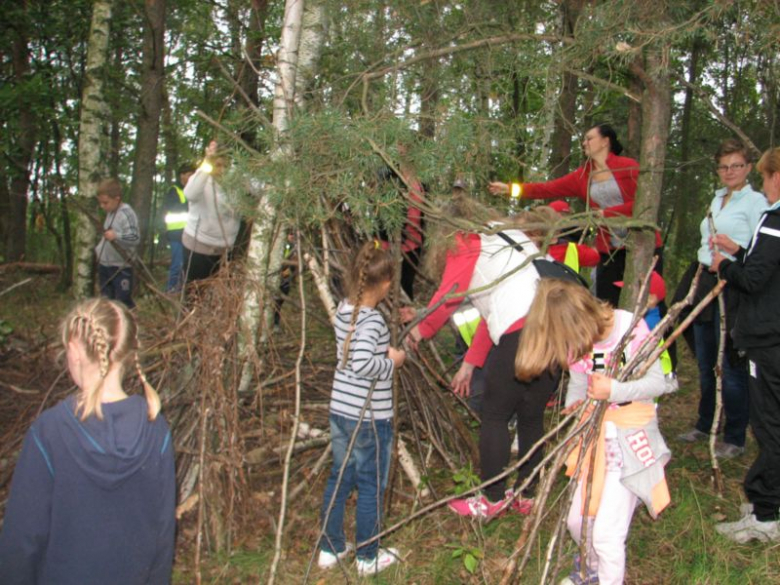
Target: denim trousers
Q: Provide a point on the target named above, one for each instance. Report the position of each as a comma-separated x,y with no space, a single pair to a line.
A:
116,283
176,270
735,384
367,468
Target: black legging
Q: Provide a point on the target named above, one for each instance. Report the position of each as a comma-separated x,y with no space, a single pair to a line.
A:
505,396
611,269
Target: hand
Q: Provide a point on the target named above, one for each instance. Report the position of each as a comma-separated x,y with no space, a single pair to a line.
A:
407,314
599,386
571,408
725,243
414,337
211,149
461,382
110,235
397,355
498,188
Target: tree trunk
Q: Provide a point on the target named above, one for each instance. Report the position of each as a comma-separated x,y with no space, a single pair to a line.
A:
313,34
92,146
634,136
564,125
264,256
685,219
152,75
656,117
250,62
21,155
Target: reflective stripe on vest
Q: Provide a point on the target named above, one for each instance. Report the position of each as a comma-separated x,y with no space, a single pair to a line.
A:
467,320
177,220
666,361
572,258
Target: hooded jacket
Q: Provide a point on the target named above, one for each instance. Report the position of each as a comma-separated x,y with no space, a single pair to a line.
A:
93,501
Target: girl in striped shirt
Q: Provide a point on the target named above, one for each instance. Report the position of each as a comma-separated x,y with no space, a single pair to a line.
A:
361,404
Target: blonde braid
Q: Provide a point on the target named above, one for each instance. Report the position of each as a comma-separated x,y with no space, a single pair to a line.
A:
152,398
101,346
355,312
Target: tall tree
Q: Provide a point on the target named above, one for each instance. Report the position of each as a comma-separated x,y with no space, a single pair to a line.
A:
564,125
656,120
26,129
92,146
152,75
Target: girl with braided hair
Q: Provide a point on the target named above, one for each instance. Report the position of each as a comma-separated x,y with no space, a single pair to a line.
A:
361,404
93,493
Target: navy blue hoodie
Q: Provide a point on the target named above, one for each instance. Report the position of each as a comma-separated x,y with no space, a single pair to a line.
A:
92,502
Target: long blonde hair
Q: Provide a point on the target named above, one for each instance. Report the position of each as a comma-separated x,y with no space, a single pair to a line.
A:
372,266
109,335
563,323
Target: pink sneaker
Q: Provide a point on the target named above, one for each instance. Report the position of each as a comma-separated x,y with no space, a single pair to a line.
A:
522,505
478,507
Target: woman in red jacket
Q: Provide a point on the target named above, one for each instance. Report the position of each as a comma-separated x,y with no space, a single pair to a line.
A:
607,182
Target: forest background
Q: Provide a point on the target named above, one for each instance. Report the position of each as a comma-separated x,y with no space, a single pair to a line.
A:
312,98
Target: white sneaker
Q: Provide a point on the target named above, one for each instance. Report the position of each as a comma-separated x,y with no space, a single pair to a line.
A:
383,559
750,528
327,560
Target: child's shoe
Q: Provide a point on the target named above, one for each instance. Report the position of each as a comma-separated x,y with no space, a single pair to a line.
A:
383,559
575,577
328,560
520,505
479,506
750,528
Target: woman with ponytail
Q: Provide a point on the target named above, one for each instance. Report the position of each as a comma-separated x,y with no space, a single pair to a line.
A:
607,183
94,492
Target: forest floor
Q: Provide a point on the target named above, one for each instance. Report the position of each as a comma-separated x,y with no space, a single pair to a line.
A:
680,547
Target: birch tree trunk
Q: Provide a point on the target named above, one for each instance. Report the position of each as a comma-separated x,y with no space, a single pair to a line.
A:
92,146
264,256
152,75
656,119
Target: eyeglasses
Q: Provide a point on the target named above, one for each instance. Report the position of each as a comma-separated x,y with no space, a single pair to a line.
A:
734,167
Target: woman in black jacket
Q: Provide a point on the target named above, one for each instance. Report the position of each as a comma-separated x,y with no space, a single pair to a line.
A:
756,275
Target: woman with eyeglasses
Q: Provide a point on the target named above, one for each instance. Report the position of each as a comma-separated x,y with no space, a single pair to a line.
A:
736,210
607,183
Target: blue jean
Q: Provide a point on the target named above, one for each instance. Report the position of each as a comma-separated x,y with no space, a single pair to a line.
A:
116,284
735,384
366,470
175,272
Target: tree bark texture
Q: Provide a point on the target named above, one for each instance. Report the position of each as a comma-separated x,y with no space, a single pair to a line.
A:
564,126
92,145
656,117
264,256
26,139
152,76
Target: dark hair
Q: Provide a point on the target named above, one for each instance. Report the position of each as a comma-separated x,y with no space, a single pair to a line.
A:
186,168
110,187
732,146
608,131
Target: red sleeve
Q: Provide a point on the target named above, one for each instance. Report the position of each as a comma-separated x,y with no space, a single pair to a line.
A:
480,347
413,227
558,251
457,272
572,185
589,256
